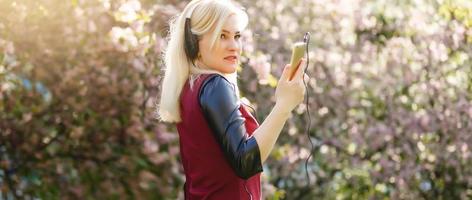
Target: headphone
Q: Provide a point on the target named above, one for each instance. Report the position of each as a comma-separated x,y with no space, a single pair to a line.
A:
191,40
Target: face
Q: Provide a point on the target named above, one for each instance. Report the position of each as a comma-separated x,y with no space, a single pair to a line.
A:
224,56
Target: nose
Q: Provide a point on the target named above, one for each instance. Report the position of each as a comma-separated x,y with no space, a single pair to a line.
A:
234,45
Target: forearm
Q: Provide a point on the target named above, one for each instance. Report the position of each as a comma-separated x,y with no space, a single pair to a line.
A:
268,132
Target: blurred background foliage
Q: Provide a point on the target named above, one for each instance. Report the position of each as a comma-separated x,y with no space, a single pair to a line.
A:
390,99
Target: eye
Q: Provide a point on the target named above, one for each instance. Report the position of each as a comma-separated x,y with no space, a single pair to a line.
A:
222,36
237,37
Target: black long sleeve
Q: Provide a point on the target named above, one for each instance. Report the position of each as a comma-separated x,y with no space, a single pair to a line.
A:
220,107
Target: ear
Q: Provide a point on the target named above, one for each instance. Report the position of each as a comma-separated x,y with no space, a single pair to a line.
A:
191,42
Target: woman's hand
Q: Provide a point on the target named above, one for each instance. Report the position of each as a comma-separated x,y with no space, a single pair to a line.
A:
290,93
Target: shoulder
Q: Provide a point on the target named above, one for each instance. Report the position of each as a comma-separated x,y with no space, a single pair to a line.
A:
215,80
217,90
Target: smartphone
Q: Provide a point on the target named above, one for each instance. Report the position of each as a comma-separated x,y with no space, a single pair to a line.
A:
298,51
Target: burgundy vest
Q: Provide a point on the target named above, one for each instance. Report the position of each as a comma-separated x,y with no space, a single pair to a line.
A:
207,172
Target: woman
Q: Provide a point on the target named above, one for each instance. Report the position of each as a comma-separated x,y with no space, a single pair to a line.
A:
222,146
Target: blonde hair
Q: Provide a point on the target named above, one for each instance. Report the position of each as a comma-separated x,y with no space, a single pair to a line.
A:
205,16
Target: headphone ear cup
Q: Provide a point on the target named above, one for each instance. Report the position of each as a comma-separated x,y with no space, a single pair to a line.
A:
191,42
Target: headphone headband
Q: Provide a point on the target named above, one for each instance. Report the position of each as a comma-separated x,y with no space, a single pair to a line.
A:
189,13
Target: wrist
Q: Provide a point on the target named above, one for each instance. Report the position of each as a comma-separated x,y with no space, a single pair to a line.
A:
282,110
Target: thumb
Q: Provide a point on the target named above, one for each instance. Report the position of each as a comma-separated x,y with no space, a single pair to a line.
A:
285,73
299,73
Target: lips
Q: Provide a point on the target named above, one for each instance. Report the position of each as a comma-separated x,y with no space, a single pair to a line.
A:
231,58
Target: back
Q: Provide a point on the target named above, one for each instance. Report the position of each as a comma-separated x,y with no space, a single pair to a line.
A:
208,174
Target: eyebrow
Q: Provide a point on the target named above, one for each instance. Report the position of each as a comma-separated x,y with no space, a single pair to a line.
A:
237,32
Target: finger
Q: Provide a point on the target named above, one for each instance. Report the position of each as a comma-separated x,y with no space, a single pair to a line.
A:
285,73
300,71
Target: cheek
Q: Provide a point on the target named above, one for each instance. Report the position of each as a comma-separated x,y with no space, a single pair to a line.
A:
210,58
213,56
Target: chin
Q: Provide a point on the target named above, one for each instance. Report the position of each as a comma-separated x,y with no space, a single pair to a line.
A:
229,69
232,71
